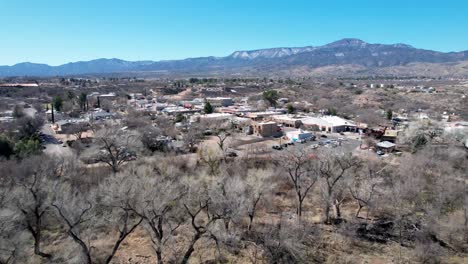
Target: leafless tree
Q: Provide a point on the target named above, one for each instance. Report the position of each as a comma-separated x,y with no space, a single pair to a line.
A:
211,158
116,146
333,169
300,171
84,212
363,186
259,183
33,193
201,216
75,210
157,201
77,129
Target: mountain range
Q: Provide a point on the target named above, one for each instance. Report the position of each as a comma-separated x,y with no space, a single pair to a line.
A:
340,57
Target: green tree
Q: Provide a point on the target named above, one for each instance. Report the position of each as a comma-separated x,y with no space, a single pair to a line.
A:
332,111
290,109
271,96
389,114
208,108
6,147
419,142
27,147
71,96
57,102
83,99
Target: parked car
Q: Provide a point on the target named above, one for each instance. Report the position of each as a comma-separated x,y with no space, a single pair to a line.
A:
314,146
323,136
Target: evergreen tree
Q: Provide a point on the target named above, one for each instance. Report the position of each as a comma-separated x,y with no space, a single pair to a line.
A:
208,108
389,114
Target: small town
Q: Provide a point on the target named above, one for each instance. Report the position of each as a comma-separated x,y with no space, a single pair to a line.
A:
243,132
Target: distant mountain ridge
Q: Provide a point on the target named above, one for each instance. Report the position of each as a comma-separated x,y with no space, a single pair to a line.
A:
343,52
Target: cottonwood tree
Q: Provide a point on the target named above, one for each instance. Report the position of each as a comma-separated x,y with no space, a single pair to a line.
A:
258,185
83,212
77,129
75,209
201,216
115,146
157,200
334,168
9,218
118,201
299,167
192,137
211,158
363,186
32,196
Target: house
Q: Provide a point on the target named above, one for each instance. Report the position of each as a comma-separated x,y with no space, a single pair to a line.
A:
62,126
386,146
299,135
175,110
390,135
267,129
99,114
220,101
57,115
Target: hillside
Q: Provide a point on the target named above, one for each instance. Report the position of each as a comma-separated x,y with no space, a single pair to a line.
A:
346,56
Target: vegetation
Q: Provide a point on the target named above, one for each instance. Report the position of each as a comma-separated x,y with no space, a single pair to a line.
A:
208,109
271,96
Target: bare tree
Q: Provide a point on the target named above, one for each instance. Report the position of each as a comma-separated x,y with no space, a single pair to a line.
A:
75,210
77,129
33,193
201,216
157,201
363,186
84,212
300,171
258,185
116,146
333,169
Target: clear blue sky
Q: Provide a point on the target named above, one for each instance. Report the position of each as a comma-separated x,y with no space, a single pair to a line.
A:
60,31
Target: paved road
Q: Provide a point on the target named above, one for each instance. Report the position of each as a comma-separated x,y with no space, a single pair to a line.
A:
53,146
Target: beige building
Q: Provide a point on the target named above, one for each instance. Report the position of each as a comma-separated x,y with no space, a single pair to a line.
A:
267,129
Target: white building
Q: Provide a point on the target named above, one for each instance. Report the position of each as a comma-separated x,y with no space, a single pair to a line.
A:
299,135
331,124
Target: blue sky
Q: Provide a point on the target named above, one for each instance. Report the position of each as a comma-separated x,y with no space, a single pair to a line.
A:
60,31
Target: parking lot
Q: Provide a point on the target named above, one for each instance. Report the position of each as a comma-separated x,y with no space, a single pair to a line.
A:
345,143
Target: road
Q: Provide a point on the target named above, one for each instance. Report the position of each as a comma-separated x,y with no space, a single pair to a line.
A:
52,146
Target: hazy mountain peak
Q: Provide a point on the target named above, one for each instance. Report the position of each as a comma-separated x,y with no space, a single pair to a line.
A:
348,51
270,53
347,42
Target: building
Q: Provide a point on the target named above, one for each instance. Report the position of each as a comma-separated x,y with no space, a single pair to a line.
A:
218,117
257,116
386,146
287,120
175,110
330,124
390,135
267,129
65,125
220,101
299,135
19,85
